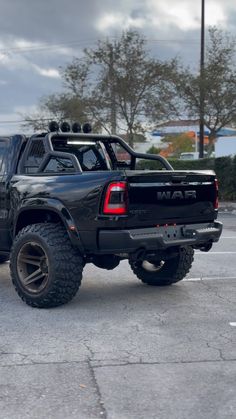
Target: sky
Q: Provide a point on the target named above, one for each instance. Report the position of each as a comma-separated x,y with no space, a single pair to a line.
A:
38,37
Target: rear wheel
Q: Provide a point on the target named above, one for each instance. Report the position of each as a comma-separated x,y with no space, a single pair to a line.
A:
45,269
164,272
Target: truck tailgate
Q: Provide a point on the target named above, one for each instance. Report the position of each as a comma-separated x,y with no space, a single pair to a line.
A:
167,197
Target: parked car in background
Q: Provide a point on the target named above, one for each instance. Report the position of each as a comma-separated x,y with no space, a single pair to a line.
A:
192,155
189,155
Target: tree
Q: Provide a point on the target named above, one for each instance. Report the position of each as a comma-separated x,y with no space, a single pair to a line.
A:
154,150
218,83
177,144
58,107
117,86
125,83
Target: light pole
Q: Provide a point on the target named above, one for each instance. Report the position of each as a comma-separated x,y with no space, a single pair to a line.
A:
202,86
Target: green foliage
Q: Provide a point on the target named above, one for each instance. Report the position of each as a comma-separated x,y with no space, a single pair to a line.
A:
201,164
130,82
153,150
117,84
178,144
225,168
217,83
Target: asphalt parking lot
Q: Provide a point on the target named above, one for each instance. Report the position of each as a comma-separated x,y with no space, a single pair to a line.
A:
124,350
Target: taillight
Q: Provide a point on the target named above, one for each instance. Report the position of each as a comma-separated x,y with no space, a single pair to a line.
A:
216,203
116,198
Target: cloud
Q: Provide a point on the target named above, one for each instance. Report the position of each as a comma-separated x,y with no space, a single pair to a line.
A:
118,20
4,59
183,14
52,21
58,21
216,14
47,72
14,60
38,37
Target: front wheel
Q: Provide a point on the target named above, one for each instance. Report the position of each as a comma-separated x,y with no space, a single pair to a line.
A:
164,272
45,269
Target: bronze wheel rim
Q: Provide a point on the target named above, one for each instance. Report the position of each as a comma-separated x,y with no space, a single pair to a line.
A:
33,267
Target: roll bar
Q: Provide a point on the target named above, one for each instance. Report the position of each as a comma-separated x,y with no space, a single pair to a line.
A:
108,139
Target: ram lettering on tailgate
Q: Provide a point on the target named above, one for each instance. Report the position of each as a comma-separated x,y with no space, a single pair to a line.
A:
176,195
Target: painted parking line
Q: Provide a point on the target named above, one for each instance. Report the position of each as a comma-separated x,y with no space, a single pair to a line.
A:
215,253
233,324
209,278
192,279
228,237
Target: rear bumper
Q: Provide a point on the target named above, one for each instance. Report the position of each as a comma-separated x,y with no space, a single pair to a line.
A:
154,238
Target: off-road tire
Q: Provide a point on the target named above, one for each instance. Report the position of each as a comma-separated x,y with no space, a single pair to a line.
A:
172,270
3,259
64,265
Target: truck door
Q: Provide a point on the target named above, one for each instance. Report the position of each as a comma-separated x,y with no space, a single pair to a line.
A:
4,224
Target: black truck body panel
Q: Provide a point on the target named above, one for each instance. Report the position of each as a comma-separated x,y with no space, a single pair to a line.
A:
155,199
158,238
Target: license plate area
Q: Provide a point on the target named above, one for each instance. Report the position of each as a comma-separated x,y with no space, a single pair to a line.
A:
170,233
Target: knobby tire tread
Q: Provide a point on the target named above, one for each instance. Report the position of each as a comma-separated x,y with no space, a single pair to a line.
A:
174,270
67,265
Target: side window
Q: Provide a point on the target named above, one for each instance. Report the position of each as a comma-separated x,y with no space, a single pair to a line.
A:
3,150
34,157
90,160
59,165
122,156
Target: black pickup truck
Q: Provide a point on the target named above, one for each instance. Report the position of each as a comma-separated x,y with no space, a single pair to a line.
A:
68,199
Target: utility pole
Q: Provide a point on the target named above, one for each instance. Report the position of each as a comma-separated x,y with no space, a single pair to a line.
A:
202,85
112,91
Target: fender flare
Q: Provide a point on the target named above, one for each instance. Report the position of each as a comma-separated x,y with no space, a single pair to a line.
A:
55,206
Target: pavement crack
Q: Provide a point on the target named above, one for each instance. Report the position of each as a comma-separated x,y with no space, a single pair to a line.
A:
103,412
216,349
23,356
124,363
91,355
203,361
91,352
